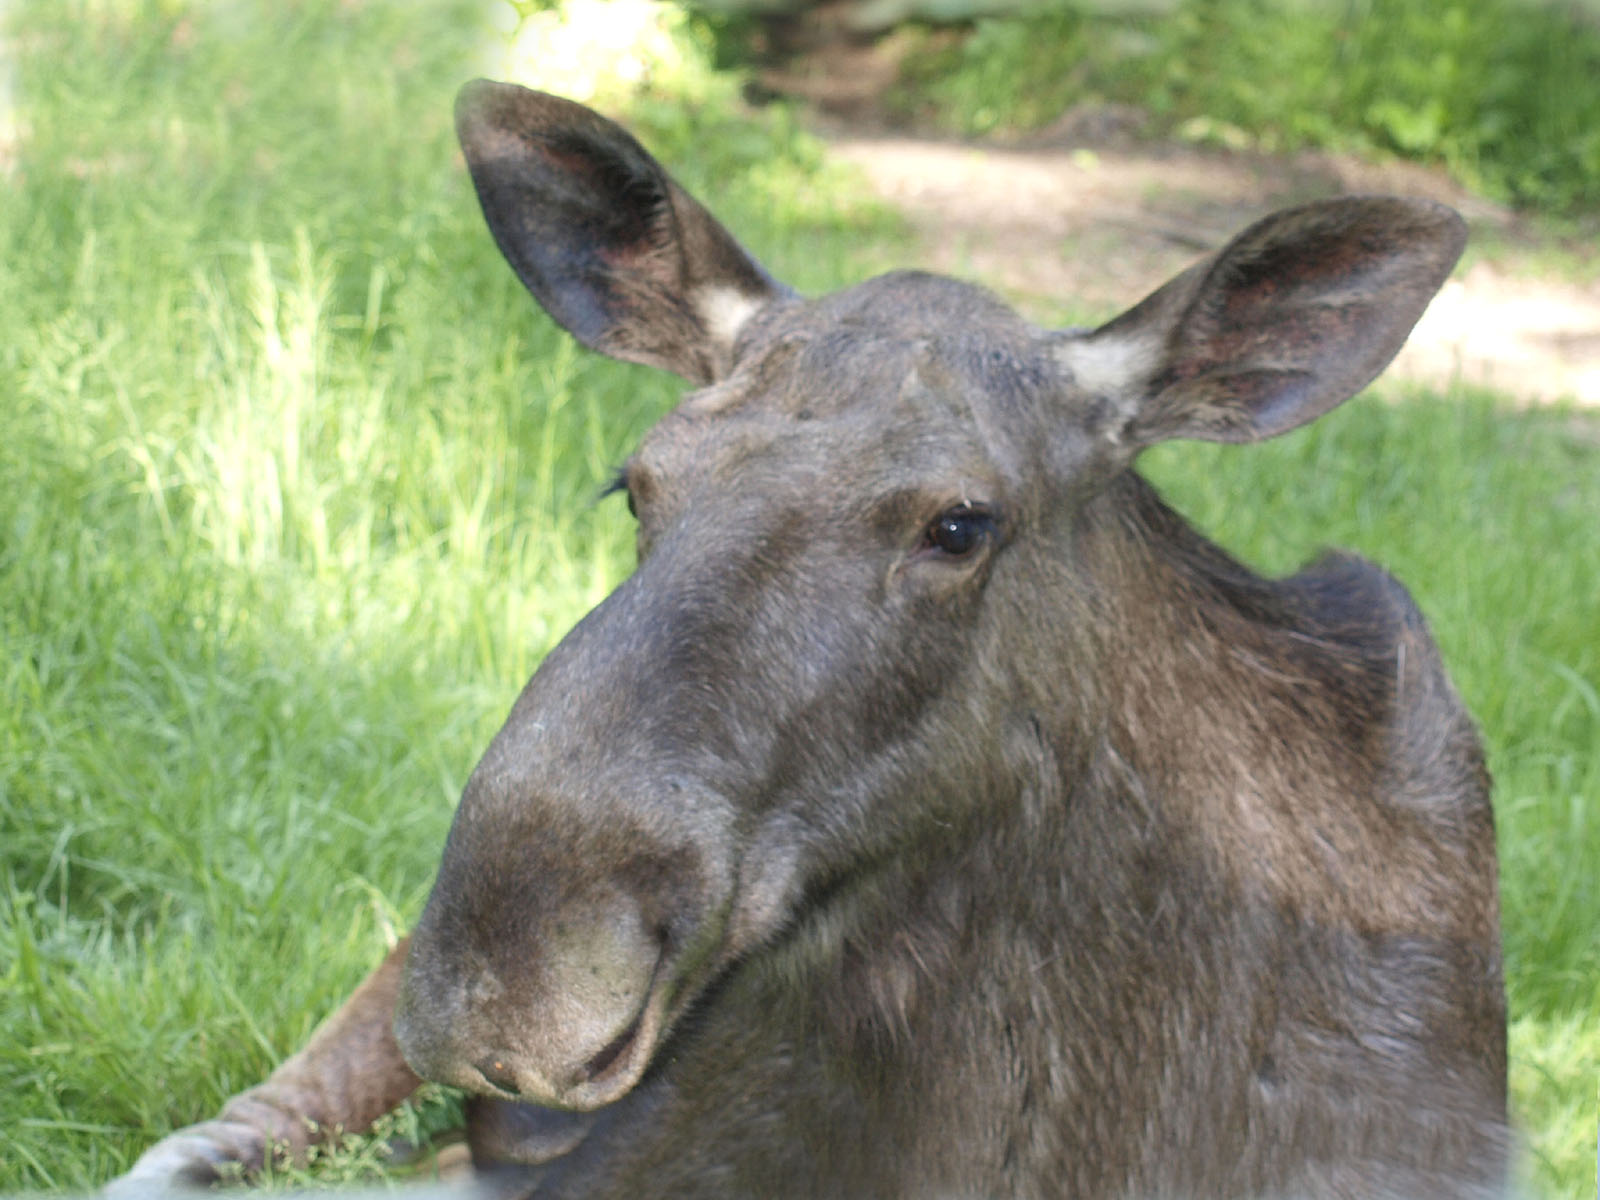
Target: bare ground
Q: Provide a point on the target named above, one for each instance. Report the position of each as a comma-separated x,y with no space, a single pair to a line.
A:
1088,225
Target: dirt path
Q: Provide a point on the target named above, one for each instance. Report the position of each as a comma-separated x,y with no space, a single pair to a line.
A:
1060,227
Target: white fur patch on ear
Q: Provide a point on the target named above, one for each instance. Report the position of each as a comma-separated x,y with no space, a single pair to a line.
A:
724,311
1110,365
1113,368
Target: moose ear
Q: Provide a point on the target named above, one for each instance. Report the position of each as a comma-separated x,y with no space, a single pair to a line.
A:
626,260
1293,317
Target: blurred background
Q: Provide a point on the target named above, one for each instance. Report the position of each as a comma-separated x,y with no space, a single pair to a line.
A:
297,486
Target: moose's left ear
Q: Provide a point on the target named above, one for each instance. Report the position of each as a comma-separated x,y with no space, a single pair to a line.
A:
625,259
1290,319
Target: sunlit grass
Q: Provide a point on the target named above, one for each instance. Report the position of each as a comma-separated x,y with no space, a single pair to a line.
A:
1555,1089
296,489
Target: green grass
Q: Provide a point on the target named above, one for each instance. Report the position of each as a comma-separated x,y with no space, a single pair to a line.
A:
296,489
1503,92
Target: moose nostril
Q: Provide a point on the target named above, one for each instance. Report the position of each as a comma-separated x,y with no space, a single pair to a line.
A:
612,1051
498,1074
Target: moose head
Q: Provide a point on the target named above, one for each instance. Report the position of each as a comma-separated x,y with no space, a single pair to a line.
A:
891,537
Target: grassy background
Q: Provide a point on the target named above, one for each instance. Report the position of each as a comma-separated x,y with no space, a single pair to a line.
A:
296,489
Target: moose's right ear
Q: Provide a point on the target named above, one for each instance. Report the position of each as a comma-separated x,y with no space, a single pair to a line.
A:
626,260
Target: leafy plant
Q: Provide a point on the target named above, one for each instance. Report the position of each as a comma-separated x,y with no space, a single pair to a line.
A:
1503,92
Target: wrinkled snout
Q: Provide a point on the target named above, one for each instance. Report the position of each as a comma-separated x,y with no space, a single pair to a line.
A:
565,1016
560,935
589,876
561,932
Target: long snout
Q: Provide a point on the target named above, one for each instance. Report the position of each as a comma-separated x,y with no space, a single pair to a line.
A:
560,932
567,1019
590,873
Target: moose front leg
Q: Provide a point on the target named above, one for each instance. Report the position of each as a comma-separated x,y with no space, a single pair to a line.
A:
346,1077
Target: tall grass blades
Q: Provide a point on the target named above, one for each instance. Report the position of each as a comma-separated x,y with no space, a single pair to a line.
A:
296,488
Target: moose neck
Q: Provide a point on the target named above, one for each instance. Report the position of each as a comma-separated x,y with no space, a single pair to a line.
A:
1204,668
1174,672
1109,801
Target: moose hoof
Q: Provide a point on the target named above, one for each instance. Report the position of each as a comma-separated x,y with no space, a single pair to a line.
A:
191,1159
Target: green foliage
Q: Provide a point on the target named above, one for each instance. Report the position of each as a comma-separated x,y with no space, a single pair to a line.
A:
1503,92
1009,75
296,488
869,14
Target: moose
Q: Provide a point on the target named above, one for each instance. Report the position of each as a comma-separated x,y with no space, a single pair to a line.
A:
934,811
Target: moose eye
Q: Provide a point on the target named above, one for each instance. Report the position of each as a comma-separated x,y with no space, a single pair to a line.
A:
959,531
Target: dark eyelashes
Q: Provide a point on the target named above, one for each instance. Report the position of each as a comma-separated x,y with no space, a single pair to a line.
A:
617,483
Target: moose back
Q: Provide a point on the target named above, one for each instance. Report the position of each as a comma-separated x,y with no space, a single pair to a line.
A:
934,812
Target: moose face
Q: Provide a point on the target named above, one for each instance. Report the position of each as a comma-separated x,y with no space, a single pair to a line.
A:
802,676
860,568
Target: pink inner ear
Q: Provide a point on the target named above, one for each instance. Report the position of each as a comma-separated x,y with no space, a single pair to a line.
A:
598,232
622,256
563,161
1291,319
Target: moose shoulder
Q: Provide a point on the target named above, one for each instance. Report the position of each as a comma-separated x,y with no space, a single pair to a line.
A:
934,812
